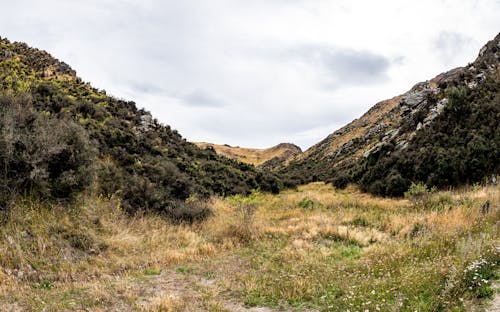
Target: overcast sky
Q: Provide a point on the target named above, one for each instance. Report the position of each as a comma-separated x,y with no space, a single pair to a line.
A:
255,73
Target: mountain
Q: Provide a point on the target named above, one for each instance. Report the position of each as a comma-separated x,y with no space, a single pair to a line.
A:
59,136
266,158
442,132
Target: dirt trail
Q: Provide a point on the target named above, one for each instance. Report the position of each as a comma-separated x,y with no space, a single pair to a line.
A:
495,303
174,291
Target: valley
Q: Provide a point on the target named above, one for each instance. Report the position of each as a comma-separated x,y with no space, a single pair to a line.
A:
104,208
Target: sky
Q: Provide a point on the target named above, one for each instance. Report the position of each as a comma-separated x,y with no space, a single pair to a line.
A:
255,73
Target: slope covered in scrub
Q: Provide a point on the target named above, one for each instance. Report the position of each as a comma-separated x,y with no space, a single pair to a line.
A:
60,135
443,132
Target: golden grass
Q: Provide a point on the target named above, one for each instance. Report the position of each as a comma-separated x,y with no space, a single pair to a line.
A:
254,156
290,248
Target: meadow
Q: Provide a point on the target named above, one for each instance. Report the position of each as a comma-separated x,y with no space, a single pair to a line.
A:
315,248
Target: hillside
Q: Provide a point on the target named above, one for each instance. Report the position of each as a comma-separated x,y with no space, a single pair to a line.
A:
443,132
60,136
265,158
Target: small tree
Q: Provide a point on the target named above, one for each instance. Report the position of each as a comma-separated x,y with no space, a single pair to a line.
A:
417,192
246,206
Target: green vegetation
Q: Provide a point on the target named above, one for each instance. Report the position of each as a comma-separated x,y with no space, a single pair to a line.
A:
41,154
56,131
462,146
307,203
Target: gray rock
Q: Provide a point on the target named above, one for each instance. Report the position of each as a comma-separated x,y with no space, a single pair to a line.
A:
483,49
8,54
147,123
391,134
481,76
472,84
435,111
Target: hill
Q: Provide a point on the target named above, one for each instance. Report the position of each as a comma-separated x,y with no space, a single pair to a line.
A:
59,136
265,158
443,132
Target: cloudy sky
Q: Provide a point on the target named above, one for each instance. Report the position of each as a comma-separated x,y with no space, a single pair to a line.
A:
260,72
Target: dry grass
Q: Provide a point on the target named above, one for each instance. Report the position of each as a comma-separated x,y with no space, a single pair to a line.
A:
378,114
315,247
254,156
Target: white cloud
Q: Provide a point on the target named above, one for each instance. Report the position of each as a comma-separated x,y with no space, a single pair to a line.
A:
255,73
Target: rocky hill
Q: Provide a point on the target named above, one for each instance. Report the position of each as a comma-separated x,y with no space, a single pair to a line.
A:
266,158
442,132
59,136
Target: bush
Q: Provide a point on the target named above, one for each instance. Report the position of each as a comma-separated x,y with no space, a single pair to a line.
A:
307,203
245,208
41,154
188,212
418,192
341,180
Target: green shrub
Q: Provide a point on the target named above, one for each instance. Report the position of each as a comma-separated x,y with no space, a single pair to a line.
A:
307,203
417,192
46,285
360,221
152,272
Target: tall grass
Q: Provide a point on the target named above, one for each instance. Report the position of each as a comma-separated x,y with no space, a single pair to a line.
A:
345,251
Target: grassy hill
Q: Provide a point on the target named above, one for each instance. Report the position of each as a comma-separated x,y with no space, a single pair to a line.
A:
266,158
443,132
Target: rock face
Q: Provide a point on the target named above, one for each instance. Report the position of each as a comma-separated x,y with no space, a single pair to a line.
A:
395,121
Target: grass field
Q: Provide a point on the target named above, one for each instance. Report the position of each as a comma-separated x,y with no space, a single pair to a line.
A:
311,249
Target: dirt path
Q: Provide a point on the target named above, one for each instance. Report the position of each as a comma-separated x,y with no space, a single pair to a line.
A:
172,290
495,303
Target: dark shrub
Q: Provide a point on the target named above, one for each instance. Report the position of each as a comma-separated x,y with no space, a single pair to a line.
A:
188,212
41,154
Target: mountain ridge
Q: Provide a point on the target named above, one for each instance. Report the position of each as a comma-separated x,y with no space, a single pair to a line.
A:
379,140
260,157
